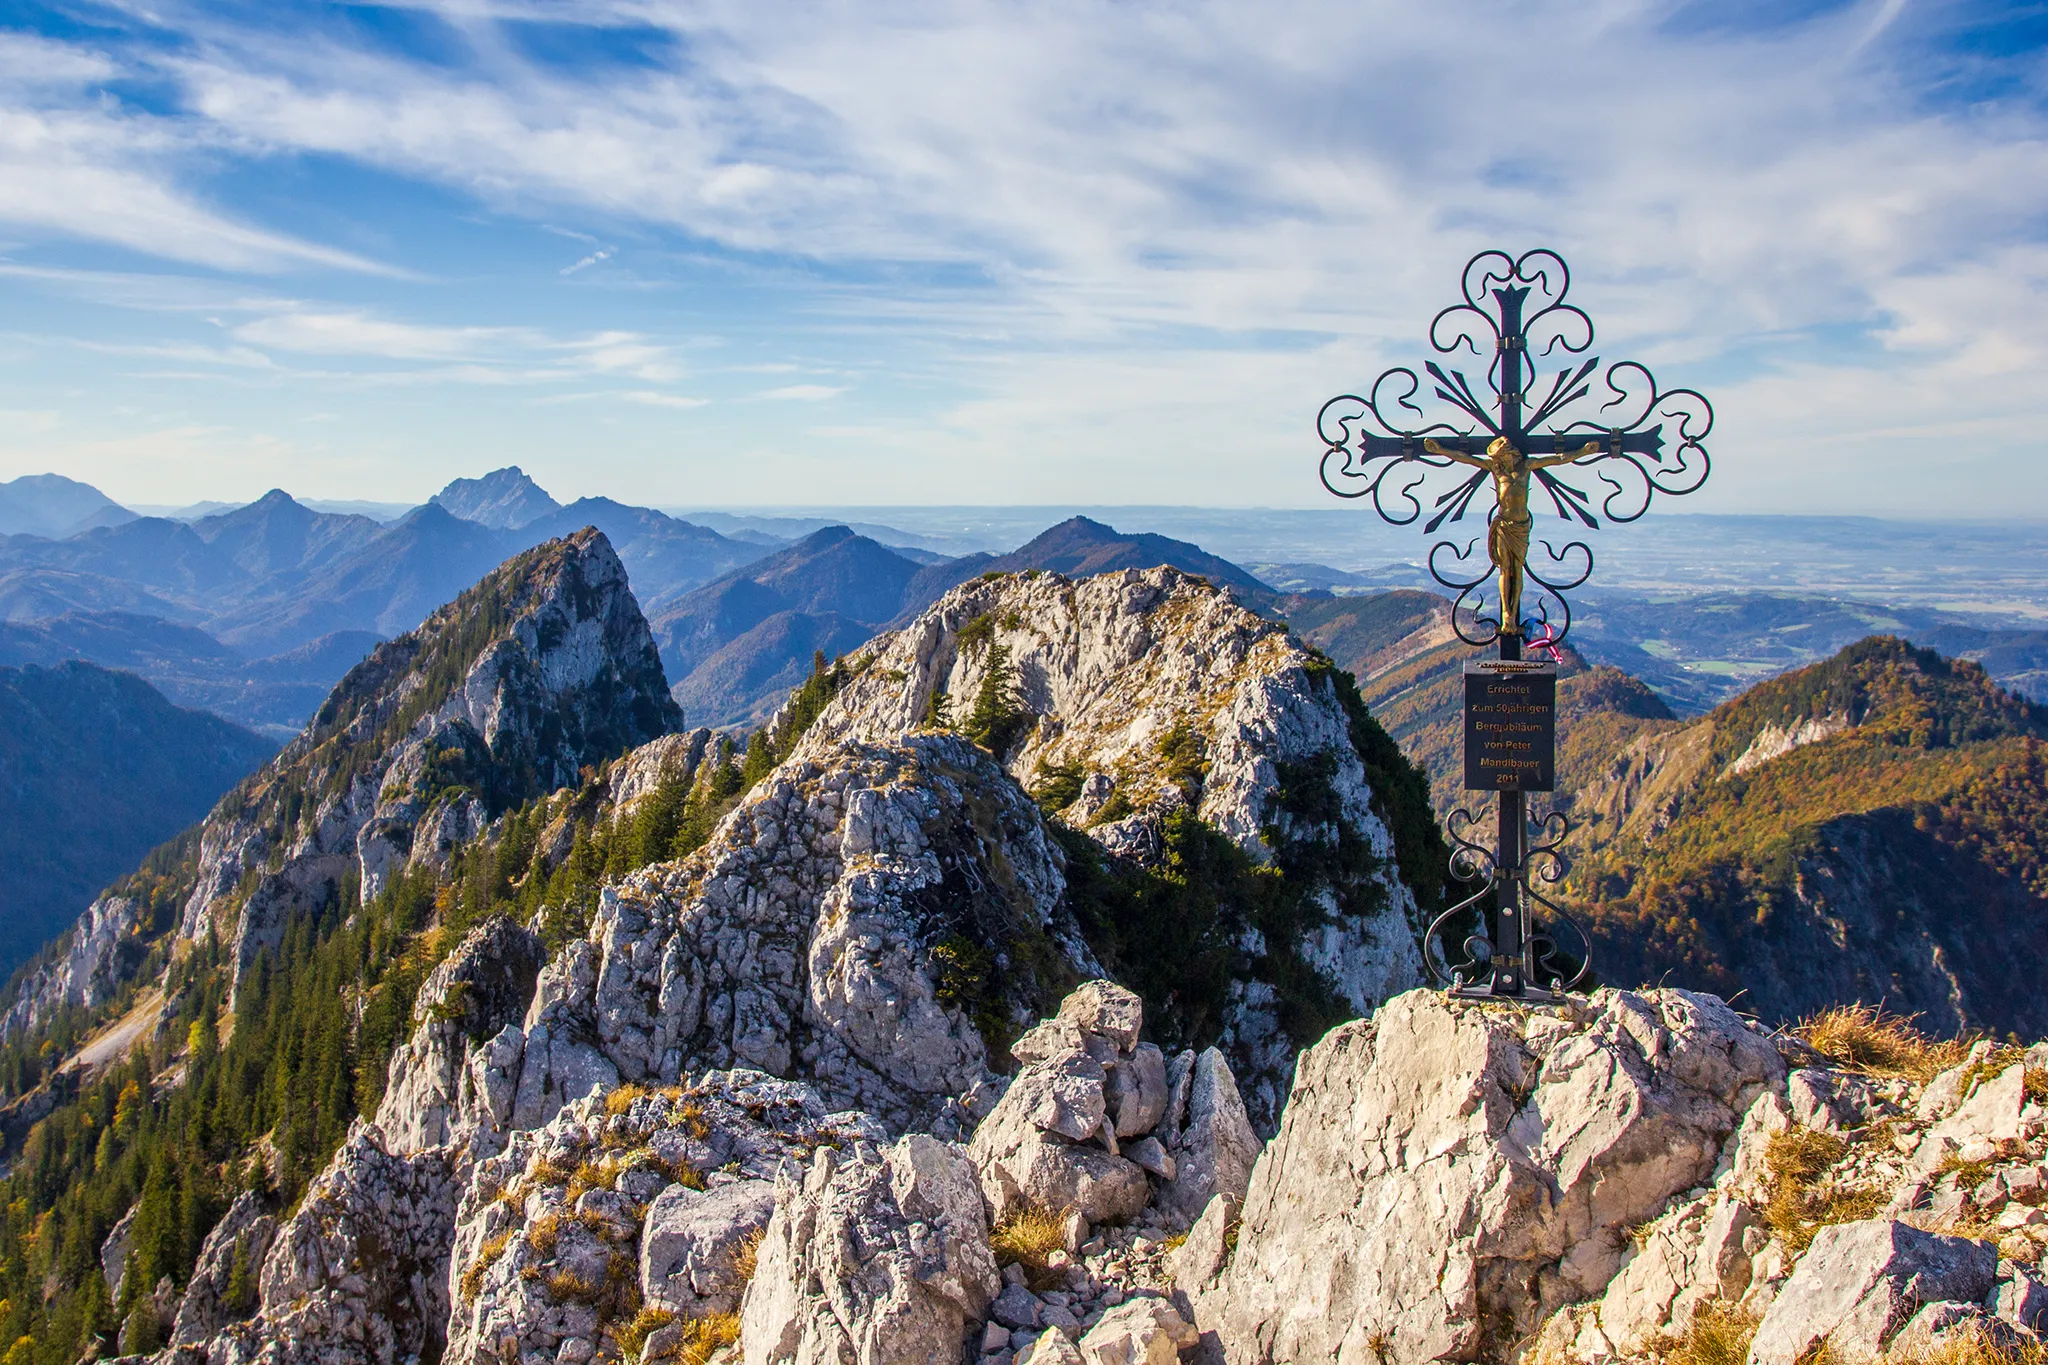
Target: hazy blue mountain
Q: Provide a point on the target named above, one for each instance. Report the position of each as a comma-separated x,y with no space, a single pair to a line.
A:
274,696
35,593
387,586
837,579
277,540
746,679
504,498
153,553
96,769
1080,548
663,556
53,506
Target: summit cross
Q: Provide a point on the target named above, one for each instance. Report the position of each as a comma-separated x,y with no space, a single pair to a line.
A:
1529,436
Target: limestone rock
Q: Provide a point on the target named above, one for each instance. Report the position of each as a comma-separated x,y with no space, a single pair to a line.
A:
882,1260
1859,1285
1143,1331
1050,1348
691,1243
114,1254
1990,1110
1215,1150
431,1098
387,775
1112,666
240,1238
633,1192
358,1275
101,954
1022,1166
832,930
1445,1171
1106,1010
1198,1263
1053,1141
2022,1300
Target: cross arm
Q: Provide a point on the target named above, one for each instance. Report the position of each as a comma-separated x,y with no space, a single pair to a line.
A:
1648,441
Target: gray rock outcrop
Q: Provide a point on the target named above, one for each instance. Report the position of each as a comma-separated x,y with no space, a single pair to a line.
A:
358,1276
434,1095
1095,1122
1447,1175
234,1249
1860,1284
1129,676
558,1236
846,925
544,667
881,1259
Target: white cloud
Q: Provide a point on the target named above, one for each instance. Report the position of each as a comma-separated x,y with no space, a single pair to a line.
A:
1179,225
90,174
803,393
663,400
361,334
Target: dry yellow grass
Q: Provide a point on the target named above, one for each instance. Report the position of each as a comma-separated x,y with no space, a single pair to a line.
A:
747,1259
568,1286
1971,1348
634,1334
1864,1038
1719,1334
621,1099
1802,1201
1027,1238
542,1232
486,1256
704,1336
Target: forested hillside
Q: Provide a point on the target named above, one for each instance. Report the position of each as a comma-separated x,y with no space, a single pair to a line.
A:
1871,827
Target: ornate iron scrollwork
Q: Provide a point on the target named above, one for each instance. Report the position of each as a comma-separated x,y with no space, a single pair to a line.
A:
1630,438
1543,861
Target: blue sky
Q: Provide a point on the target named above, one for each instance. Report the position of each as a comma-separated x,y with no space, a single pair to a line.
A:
748,254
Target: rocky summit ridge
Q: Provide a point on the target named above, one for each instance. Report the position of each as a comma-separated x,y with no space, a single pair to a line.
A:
1037,988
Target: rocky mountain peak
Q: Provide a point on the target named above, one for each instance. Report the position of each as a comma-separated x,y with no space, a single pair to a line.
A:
504,499
542,669
1149,711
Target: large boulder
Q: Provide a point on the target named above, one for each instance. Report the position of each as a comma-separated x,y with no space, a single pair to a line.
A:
1144,1331
1860,1284
692,1241
1081,1124
1213,1150
879,1259
1447,1174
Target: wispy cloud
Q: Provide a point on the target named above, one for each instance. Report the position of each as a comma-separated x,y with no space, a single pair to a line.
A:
1120,227
803,393
602,254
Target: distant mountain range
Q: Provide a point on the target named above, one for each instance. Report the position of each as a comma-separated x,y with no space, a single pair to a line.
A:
255,611
738,645
52,505
276,596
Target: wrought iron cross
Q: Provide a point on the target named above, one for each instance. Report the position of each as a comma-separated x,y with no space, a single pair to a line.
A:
1613,431
1516,310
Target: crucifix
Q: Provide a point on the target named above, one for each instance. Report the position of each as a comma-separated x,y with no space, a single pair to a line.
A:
1521,438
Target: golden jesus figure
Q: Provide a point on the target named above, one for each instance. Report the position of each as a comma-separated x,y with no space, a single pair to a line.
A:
1507,538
